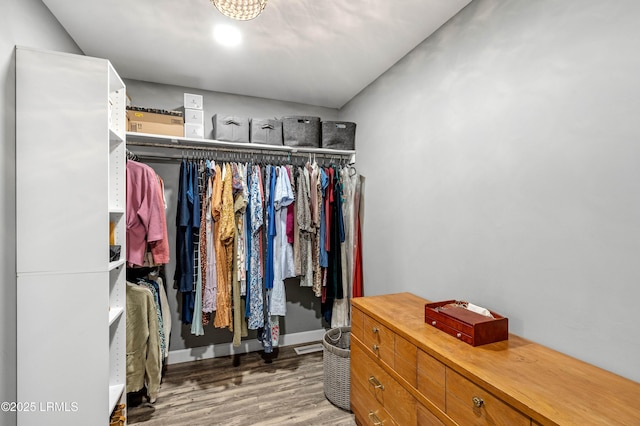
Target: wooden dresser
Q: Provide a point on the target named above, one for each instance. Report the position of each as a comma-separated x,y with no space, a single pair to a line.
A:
404,372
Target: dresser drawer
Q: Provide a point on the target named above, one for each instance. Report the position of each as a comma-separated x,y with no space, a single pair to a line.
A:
469,404
395,399
405,360
431,379
427,418
367,410
379,340
357,324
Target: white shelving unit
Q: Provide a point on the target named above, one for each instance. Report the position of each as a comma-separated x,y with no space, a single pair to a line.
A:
70,185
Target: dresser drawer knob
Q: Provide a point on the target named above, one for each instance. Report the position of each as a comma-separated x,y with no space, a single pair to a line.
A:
376,421
376,383
375,348
459,335
433,323
374,329
477,401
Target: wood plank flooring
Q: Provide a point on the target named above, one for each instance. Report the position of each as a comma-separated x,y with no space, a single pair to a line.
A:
248,389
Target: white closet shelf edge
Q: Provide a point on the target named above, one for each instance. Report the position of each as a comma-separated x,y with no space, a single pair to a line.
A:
116,264
114,314
174,142
115,392
115,137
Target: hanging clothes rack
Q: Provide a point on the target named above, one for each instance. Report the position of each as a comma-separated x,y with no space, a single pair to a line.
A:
265,238
168,149
131,156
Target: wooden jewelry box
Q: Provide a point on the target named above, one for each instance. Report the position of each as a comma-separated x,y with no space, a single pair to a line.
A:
452,317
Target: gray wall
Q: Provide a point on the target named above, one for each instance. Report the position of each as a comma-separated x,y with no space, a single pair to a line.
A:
502,166
24,23
303,308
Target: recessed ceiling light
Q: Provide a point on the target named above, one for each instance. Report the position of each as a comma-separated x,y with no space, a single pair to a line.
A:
227,35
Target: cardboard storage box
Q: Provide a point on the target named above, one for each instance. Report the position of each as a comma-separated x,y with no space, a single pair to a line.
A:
301,131
266,131
230,128
167,124
466,325
339,135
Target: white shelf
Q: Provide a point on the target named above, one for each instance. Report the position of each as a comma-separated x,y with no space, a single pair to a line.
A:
116,263
134,138
116,210
115,392
114,137
114,314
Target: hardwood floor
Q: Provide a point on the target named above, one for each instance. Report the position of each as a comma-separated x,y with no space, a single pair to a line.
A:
248,389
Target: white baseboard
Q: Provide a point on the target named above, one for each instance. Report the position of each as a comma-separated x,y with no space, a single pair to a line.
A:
246,346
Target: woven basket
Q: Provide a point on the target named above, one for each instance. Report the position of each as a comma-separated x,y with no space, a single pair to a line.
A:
335,357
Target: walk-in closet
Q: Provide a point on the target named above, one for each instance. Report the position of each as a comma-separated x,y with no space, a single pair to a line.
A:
274,212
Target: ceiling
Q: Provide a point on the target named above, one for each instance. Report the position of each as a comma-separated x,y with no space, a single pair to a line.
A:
316,52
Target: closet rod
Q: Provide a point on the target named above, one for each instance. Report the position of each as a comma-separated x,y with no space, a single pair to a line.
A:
258,151
275,150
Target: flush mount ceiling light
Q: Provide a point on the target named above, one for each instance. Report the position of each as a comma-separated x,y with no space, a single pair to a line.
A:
242,10
227,35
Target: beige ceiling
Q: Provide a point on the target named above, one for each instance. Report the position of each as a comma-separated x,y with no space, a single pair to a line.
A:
317,52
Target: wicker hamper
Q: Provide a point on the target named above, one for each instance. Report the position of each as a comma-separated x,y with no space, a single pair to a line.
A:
335,357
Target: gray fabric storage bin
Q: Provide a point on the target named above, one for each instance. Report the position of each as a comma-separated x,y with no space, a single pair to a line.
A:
230,128
266,131
301,131
339,135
